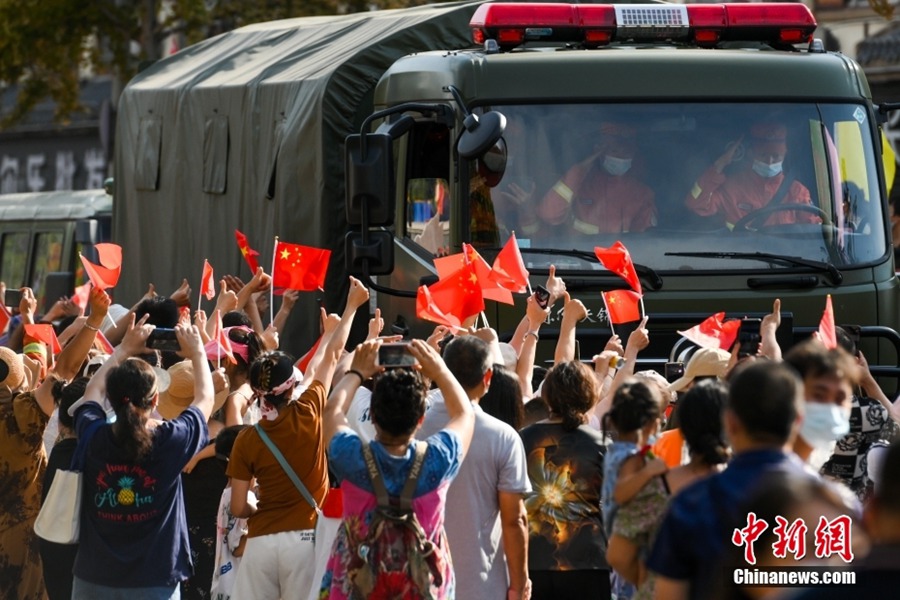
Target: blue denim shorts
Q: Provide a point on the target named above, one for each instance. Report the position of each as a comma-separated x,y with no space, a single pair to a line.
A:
84,590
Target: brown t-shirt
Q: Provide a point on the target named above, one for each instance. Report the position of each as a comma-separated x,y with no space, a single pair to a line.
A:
297,432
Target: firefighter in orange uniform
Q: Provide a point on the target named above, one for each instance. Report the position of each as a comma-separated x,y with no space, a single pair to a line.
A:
601,194
750,189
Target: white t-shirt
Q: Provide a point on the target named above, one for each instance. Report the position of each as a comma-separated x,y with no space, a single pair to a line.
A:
495,463
229,531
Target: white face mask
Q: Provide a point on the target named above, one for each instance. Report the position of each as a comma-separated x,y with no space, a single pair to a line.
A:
616,166
765,169
824,423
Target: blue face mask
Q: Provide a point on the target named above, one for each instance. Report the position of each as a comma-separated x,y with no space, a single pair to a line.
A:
824,423
765,169
616,166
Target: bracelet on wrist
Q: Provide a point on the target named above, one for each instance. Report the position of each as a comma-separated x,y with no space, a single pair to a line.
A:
355,372
534,333
91,327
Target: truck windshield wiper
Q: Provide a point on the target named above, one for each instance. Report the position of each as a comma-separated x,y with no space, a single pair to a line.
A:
654,281
824,267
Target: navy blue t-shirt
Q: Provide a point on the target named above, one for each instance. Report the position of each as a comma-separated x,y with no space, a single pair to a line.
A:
133,527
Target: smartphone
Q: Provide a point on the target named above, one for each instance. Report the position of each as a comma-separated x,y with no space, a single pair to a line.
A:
673,371
395,354
542,296
162,338
13,297
749,337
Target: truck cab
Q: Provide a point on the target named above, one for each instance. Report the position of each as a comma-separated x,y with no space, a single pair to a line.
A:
42,234
686,85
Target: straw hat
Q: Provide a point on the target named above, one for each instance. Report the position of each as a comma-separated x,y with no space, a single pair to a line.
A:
12,369
706,362
179,394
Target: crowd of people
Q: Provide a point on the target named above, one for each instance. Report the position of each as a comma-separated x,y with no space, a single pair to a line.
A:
230,469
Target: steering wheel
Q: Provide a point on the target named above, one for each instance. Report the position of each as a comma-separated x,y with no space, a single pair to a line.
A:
766,211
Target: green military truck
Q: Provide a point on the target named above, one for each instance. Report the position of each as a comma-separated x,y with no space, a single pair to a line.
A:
247,131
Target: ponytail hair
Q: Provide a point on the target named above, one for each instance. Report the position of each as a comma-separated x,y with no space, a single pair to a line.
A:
131,388
700,420
570,390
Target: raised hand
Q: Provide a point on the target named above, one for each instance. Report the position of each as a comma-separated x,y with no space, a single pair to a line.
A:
182,295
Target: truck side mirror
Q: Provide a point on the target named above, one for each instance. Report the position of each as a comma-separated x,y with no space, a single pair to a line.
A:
370,178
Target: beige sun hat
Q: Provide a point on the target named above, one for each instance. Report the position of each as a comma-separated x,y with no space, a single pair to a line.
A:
179,394
706,362
12,369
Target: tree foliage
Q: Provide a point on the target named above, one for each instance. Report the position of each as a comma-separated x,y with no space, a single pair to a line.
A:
47,47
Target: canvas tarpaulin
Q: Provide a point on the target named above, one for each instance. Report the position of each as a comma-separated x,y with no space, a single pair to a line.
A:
246,131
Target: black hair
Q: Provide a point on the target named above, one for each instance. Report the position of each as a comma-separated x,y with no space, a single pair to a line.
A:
163,311
468,358
887,493
254,347
225,441
130,388
66,396
813,359
503,399
700,413
634,405
570,390
844,340
236,318
765,397
64,323
398,401
537,376
269,371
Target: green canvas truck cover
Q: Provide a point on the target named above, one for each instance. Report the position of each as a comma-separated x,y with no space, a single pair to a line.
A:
246,131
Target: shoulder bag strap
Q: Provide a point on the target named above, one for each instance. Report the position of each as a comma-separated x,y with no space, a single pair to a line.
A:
80,455
381,494
288,470
412,479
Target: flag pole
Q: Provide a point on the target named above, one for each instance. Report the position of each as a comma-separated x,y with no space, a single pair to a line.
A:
643,312
200,295
608,316
272,287
218,333
484,318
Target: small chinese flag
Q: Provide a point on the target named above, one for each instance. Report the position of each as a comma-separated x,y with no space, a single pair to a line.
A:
303,362
220,344
207,287
104,343
106,274
81,295
43,332
427,310
623,306
5,316
509,269
300,268
247,252
448,265
459,294
714,332
827,333
617,259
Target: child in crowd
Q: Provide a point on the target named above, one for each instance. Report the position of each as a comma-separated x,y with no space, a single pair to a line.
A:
635,417
231,532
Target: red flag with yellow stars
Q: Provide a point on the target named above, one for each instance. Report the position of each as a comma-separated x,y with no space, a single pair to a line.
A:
459,294
490,289
623,306
617,259
247,252
300,268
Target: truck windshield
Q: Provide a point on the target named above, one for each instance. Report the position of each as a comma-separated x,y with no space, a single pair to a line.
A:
674,181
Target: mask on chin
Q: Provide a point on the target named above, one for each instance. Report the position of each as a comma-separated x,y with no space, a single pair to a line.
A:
616,166
824,424
765,169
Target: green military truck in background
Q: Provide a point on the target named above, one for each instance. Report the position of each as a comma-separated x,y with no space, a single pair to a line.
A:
248,131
